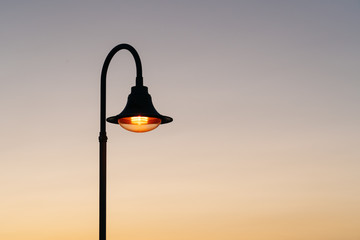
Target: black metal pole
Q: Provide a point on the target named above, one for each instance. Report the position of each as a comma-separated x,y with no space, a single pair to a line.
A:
102,135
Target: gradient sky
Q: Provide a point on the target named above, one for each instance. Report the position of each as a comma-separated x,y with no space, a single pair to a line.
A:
265,139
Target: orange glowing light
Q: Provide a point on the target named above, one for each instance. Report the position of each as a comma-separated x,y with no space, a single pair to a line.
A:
139,123
139,120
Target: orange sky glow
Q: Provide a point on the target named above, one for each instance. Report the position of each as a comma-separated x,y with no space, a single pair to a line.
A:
265,139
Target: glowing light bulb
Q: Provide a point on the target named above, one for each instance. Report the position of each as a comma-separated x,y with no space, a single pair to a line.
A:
139,120
139,123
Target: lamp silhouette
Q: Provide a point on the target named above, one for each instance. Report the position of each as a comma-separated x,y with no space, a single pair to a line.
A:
139,115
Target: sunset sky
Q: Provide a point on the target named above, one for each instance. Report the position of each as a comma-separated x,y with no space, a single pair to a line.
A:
265,143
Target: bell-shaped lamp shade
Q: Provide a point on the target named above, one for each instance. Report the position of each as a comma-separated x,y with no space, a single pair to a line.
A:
139,114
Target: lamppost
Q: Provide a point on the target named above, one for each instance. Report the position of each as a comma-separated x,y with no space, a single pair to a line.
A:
139,115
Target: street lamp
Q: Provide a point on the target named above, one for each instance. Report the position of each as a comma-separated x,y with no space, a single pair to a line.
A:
139,115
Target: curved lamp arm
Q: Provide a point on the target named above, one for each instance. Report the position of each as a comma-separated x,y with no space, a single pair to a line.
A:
139,80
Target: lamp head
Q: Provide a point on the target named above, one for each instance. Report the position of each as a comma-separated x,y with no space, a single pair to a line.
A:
139,114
